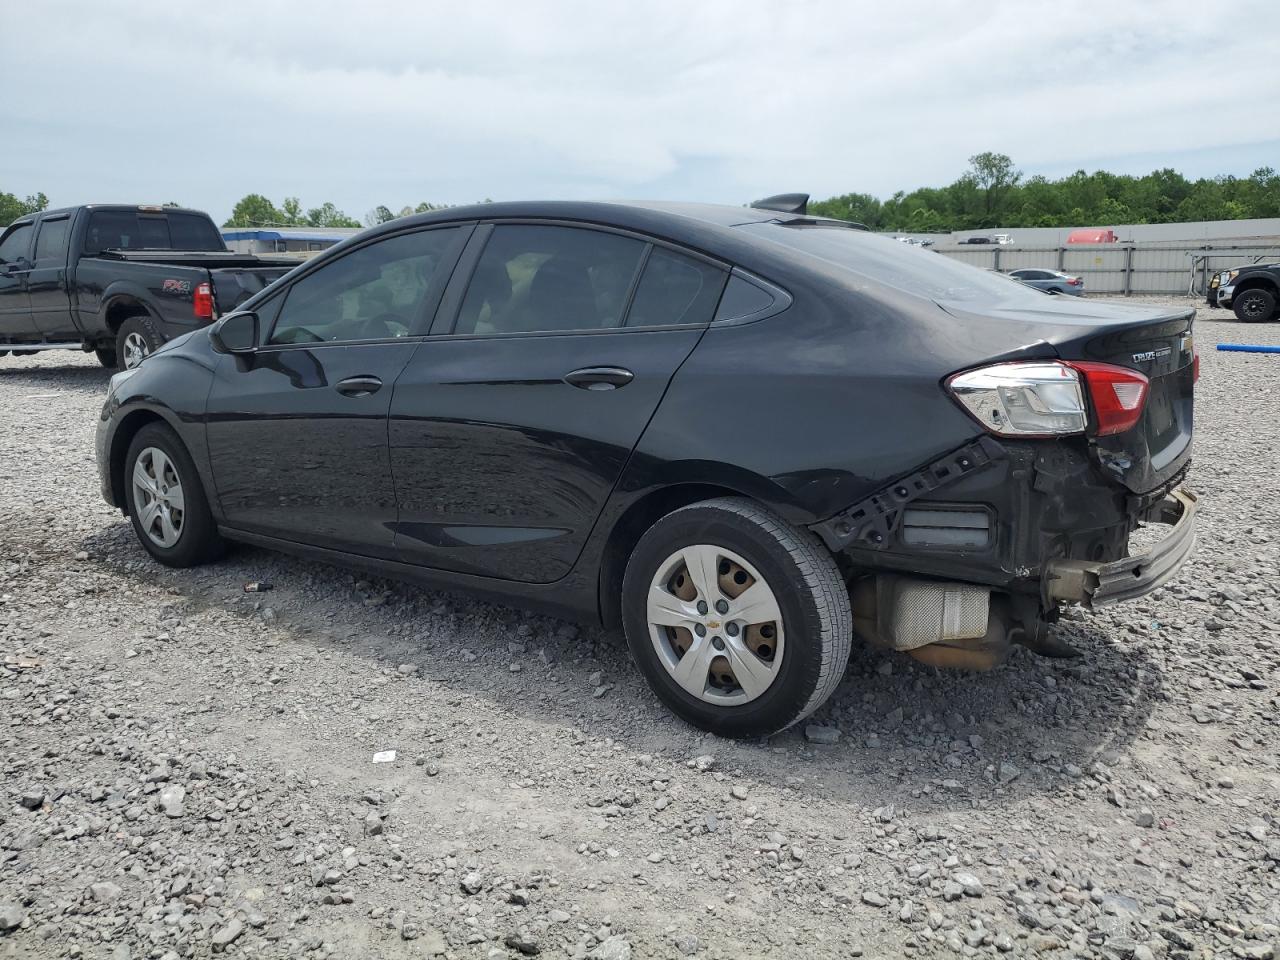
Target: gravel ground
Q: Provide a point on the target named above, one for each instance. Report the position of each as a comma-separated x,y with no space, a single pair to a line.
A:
190,770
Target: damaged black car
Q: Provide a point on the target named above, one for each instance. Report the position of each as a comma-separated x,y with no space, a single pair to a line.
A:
748,436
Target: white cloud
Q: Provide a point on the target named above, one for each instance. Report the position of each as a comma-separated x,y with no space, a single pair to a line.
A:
400,102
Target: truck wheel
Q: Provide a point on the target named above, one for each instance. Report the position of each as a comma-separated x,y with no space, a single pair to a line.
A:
138,339
166,500
739,621
107,357
1254,305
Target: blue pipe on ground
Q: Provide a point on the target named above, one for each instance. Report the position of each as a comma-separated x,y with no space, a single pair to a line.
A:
1247,348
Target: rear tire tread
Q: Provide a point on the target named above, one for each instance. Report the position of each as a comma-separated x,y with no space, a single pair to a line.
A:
821,579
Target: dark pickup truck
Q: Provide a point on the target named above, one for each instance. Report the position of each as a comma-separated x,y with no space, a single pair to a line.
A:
1251,291
118,280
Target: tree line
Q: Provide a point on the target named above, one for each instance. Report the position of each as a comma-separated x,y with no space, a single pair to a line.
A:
255,210
12,207
993,193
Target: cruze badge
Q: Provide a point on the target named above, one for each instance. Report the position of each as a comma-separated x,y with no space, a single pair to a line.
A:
1152,354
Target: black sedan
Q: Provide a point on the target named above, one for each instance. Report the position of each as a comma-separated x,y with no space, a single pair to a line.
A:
744,435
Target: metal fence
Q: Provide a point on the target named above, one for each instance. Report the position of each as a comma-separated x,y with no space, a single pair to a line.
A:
1124,268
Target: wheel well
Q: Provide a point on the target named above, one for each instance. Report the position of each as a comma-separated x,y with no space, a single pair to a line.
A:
628,530
120,310
1256,283
124,435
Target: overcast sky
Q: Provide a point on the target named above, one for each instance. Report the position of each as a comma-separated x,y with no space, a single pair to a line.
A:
363,103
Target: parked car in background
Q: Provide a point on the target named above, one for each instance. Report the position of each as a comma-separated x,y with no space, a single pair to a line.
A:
741,434
1051,281
1003,239
1251,292
118,280
1092,235
976,240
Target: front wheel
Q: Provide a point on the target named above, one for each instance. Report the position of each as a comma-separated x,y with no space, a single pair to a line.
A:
739,621
1253,306
166,500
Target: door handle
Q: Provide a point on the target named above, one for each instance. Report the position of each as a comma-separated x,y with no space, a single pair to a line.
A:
358,386
599,378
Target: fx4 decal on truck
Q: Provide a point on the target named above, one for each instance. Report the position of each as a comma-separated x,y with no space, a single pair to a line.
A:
176,286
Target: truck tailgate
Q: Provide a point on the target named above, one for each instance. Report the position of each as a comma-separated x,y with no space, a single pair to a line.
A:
234,285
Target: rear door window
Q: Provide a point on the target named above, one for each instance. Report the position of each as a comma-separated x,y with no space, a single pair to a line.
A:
675,289
533,278
51,243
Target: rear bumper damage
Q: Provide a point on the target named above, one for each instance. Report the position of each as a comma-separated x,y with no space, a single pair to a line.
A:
1097,584
979,550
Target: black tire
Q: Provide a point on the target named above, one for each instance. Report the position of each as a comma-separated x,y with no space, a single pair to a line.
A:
810,592
142,326
198,539
1054,291
1254,306
108,357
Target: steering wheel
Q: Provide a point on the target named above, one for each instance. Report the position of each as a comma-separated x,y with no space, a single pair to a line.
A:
380,327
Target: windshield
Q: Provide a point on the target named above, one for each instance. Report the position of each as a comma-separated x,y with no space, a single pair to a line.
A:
906,267
133,230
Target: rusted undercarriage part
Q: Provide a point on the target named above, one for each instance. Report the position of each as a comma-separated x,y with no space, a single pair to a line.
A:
954,625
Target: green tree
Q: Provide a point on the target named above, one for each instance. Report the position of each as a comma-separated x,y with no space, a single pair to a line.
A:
327,215
858,207
11,208
292,211
255,210
994,175
379,215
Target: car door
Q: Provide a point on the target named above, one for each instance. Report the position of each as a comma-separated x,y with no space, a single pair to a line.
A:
16,324
512,423
47,281
297,431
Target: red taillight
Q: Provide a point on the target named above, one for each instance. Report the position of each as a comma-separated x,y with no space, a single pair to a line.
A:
1074,282
1118,395
202,302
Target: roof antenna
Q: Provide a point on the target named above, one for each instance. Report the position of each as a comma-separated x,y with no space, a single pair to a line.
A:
785,203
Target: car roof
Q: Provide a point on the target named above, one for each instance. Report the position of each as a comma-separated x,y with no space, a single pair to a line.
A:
612,211
706,227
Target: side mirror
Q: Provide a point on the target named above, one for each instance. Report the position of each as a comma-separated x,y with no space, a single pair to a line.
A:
236,333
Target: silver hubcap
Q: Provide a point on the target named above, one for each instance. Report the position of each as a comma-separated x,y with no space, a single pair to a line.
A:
157,496
135,349
715,625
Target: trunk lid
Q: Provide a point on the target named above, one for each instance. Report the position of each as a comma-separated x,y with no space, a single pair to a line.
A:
1158,342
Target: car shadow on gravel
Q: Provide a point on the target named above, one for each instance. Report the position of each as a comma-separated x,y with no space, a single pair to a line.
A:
909,733
49,378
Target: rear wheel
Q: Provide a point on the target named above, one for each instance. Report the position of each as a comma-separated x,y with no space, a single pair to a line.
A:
107,357
166,500
739,621
137,339
1253,306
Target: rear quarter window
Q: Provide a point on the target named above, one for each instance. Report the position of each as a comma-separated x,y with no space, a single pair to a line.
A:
902,266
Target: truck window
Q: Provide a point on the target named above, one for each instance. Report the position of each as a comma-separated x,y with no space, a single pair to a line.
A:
190,232
16,244
129,230
51,243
